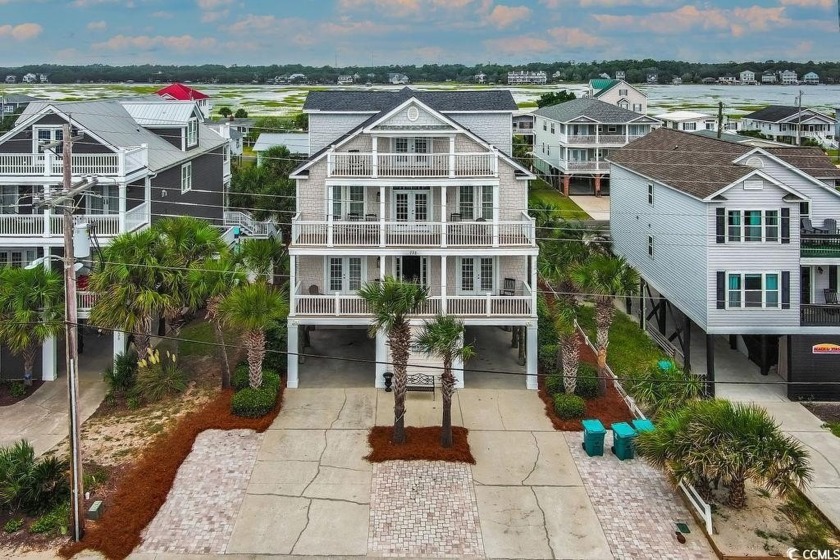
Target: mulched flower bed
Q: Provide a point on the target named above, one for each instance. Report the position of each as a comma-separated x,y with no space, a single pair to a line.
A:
608,408
6,397
143,489
421,444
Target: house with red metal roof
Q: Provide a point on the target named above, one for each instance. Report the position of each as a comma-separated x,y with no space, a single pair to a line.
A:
181,92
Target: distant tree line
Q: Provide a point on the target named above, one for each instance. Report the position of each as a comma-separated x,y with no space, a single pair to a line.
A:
566,71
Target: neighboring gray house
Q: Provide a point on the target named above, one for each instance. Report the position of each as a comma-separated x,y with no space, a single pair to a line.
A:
523,125
418,185
737,241
781,122
14,102
296,142
151,159
573,139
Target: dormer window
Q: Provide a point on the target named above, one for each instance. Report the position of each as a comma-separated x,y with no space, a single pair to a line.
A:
192,132
46,135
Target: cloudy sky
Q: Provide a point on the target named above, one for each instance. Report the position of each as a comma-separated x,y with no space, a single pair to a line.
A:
379,32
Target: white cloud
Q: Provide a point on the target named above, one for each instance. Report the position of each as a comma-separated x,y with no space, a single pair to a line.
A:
147,42
22,32
97,25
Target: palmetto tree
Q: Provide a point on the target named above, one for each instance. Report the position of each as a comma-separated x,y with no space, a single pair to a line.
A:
563,316
603,278
209,282
391,302
252,309
565,249
31,310
260,257
443,337
132,286
730,443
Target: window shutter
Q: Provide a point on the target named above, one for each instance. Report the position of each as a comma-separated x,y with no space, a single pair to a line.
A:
785,225
720,225
721,290
785,289
832,278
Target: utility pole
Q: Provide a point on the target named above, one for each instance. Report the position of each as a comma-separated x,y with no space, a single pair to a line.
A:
65,200
799,119
720,118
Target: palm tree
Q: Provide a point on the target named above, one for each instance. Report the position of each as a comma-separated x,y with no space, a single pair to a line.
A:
559,255
31,311
604,277
253,309
260,257
131,286
563,317
391,301
443,337
208,283
730,443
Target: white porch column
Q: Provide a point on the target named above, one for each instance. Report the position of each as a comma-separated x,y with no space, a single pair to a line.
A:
47,232
443,215
443,285
374,157
531,356
452,156
533,286
49,359
292,349
381,359
123,193
292,284
382,216
330,217
496,216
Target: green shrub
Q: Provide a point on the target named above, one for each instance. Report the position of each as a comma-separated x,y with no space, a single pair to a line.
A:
659,389
569,406
239,379
55,521
28,484
275,346
13,525
271,380
554,384
17,389
546,332
547,357
159,377
122,375
253,403
587,381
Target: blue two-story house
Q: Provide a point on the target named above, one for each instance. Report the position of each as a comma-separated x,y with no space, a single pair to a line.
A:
742,242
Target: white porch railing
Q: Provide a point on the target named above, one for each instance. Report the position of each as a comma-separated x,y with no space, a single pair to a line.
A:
342,233
84,302
459,164
137,217
51,225
486,305
111,164
250,226
587,165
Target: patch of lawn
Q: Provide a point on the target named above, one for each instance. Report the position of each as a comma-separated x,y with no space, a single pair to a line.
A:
630,350
540,191
526,104
813,531
834,427
198,339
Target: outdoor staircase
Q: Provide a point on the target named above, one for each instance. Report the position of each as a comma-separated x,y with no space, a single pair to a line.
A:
248,225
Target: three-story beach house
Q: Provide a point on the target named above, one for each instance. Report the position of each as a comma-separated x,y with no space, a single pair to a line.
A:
739,241
418,185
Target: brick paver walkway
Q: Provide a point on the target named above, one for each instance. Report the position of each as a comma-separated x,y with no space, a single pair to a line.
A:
202,506
637,507
423,509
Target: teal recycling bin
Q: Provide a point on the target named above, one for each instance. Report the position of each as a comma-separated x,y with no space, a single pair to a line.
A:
593,437
623,435
643,425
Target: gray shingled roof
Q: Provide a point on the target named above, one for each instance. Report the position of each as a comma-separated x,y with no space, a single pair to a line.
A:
370,101
110,121
772,113
700,166
594,109
17,98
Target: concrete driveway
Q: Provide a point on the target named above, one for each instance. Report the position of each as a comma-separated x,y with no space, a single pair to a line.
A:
311,493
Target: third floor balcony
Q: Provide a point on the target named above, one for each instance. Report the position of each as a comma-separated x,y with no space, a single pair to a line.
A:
409,165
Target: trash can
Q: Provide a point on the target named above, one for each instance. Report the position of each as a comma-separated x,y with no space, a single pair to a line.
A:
593,437
643,425
623,435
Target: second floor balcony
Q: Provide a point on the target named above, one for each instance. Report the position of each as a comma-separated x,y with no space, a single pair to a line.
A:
409,165
50,225
820,244
46,164
376,233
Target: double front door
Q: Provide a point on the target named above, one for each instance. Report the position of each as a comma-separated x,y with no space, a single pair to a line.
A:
345,274
411,205
477,275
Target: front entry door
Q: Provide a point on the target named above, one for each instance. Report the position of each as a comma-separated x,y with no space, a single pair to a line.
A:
477,275
411,206
412,269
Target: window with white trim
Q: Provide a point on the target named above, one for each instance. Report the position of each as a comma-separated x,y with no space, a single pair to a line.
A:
637,107
804,209
622,92
192,132
226,153
186,177
545,124
347,200
17,258
9,199
45,135
690,126
754,226
552,128
650,246
650,194
475,202
752,290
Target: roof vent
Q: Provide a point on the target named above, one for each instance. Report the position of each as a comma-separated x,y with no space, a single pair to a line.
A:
755,162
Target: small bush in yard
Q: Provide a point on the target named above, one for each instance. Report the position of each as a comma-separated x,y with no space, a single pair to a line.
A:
28,484
239,380
253,403
569,406
55,522
547,357
121,377
13,525
159,377
554,384
17,389
587,381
